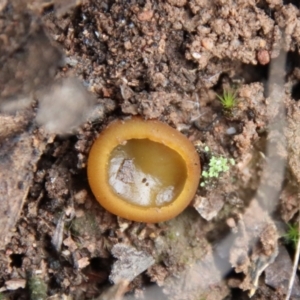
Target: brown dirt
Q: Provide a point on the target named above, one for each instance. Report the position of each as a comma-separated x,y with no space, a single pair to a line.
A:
68,68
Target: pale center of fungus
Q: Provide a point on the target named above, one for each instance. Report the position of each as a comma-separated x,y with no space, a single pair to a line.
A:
146,173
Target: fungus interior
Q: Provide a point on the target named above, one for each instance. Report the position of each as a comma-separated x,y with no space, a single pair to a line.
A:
143,170
146,173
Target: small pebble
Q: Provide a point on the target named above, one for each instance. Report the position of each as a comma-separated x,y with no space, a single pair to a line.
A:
207,43
263,57
145,15
80,197
196,55
231,131
231,222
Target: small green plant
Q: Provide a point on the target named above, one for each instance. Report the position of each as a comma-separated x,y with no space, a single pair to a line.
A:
292,235
216,166
228,99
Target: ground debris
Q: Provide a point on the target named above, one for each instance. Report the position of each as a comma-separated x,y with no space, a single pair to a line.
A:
187,269
27,56
37,288
209,206
292,133
254,246
15,284
115,292
158,274
201,279
289,200
60,297
57,238
277,274
61,7
130,263
231,22
13,124
18,162
182,109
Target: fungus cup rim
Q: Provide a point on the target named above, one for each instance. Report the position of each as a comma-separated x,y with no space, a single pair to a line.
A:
121,131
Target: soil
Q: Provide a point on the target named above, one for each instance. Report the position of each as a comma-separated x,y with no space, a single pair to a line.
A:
69,68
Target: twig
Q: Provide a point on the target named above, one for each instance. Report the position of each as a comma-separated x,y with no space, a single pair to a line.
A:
296,259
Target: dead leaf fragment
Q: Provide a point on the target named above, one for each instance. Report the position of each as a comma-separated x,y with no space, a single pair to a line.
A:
208,207
15,284
83,262
130,263
18,159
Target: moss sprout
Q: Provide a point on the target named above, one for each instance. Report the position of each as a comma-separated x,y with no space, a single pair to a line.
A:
228,99
292,235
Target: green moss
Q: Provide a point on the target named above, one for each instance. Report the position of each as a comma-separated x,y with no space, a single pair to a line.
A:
228,99
292,235
37,288
216,166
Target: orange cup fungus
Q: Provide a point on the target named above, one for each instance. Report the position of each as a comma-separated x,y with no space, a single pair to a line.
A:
144,171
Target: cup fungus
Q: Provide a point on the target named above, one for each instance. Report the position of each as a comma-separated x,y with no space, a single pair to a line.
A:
144,171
